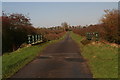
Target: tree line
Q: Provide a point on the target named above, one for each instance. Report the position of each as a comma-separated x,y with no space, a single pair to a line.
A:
108,28
16,27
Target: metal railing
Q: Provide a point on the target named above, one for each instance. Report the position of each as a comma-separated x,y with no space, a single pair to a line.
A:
33,39
92,36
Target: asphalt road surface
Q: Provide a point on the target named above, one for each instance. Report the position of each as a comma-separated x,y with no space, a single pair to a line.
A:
59,60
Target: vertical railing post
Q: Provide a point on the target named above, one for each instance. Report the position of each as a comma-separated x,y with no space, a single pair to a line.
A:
29,39
36,38
97,36
33,39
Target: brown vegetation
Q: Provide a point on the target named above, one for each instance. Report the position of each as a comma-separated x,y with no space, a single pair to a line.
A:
16,27
108,29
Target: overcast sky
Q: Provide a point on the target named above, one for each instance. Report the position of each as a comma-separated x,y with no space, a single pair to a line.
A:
47,14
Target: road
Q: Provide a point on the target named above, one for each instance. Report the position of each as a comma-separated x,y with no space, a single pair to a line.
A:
60,60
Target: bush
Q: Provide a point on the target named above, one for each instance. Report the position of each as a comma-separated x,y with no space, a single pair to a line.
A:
15,28
110,21
85,42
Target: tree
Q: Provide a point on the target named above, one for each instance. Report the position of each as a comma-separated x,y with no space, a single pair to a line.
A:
110,21
65,26
15,28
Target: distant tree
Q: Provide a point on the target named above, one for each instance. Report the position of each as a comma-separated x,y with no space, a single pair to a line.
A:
65,26
84,26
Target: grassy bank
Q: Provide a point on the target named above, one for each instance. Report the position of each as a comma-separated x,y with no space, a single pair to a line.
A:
14,61
102,58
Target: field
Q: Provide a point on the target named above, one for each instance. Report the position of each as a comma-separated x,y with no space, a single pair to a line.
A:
14,61
102,58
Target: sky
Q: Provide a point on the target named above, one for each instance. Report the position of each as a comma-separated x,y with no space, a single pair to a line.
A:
49,14
60,0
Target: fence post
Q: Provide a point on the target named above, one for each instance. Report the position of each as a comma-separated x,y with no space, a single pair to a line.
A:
40,37
36,38
97,36
89,36
29,39
33,39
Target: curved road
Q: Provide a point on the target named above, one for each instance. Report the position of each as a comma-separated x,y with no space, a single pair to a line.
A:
59,60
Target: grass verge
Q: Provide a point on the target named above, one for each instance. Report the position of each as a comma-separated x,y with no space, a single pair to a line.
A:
14,61
102,58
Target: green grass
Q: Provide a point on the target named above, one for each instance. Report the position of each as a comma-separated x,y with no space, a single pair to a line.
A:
102,58
119,63
14,61
0,67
